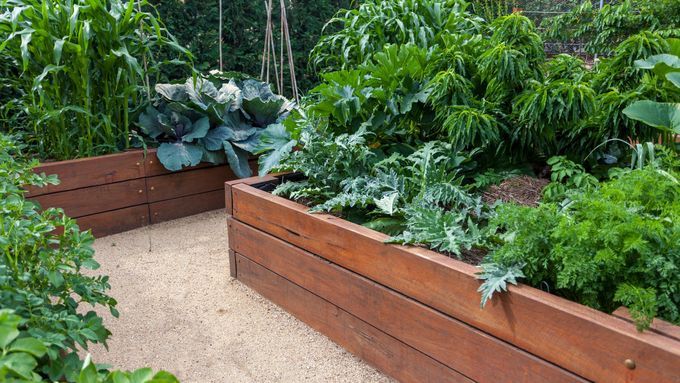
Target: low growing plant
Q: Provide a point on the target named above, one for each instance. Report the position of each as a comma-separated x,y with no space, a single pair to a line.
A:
618,244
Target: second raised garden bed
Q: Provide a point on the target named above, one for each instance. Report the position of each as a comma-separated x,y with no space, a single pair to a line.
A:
415,314
119,192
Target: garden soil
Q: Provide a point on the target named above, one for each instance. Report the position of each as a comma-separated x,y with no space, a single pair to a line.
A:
180,311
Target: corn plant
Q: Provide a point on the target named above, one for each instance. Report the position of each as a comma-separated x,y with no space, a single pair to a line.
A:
85,67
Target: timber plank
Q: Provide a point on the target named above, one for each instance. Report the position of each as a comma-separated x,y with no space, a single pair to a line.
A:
185,206
86,172
246,181
455,344
96,199
115,221
659,326
582,340
186,183
367,342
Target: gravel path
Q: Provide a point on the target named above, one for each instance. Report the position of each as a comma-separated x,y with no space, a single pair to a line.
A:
180,311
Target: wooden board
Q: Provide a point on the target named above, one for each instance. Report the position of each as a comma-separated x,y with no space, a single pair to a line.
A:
246,181
186,183
185,206
86,172
659,326
453,343
587,342
367,342
96,199
116,221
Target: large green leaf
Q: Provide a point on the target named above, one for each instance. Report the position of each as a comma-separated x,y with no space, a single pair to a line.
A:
238,160
674,78
199,129
8,327
176,155
173,92
201,92
660,115
273,144
149,123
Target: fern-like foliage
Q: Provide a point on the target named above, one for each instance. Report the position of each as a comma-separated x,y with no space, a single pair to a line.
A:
449,231
616,244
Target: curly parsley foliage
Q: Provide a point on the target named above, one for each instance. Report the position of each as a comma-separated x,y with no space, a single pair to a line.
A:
615,245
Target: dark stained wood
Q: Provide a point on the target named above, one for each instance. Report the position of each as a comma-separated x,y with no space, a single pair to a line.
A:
582,340
86,172
455,344
367,342
96,199
185,206
232,264
186,183
659,326
116,221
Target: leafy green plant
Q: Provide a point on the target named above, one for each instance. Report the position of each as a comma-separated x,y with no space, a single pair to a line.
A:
363,31
197,121
614,245
603,29
19,355
662,115
567,177
85,66
43,255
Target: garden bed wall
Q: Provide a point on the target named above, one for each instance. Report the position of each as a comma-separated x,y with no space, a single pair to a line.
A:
119,192
415,314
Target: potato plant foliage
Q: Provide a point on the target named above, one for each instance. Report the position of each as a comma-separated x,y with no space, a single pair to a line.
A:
43,258
424,105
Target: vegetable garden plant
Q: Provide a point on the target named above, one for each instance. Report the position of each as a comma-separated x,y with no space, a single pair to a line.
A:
425,105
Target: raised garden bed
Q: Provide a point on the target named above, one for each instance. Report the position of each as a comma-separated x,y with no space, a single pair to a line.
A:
119,192
415,314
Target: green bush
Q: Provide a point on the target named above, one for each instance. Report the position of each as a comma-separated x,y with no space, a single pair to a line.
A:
618,244
43,255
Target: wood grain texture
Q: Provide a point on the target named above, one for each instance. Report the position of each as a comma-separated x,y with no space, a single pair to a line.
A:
116,221
246,181
455,344
186,183
96,199
382,351
659,326
587,342
86,172
185,206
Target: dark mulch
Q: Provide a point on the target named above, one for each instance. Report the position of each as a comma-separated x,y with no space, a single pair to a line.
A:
523,190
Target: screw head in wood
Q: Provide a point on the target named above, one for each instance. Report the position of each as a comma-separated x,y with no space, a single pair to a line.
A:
152,188
140,191
629,363
139,164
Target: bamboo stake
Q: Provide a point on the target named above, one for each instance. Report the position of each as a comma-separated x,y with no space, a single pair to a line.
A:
220,36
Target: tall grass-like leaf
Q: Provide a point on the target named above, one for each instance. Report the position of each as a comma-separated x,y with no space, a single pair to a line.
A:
82,72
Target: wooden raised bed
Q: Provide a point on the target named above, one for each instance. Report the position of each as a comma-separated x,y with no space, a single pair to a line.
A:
119,192
415,314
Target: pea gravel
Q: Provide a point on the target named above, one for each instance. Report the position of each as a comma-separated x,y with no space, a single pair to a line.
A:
180,311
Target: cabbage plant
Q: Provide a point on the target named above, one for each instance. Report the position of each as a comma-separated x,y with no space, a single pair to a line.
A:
206,119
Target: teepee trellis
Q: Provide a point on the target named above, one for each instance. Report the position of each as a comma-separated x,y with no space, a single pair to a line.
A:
269,57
